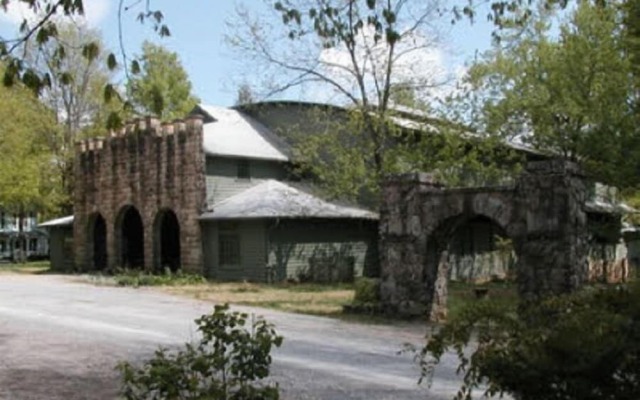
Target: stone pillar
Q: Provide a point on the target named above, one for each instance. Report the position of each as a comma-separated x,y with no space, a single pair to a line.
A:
79,206
552,250
403,244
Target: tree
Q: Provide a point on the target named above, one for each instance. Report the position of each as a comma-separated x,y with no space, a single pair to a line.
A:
568,95
27,181
368,54
245,95
75,94
162,88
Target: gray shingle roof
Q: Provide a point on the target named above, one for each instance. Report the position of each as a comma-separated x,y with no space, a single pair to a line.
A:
274,199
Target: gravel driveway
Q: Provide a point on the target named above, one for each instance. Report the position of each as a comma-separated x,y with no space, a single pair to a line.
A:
61,340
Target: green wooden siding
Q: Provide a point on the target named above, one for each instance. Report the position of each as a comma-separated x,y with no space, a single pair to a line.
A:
275,251
222,176
61,248
253,256
295,246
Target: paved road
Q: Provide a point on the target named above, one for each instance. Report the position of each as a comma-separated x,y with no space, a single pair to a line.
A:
61,340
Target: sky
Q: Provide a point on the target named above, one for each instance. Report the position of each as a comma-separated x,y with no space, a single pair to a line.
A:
198,30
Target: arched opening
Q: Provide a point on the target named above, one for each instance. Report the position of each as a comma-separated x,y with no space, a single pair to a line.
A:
167,241
480,251
130,238
468,258
97,246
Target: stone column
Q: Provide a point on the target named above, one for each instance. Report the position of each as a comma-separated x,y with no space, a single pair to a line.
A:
552,251
403,244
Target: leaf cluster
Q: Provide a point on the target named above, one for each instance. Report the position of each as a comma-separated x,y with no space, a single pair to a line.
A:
45,30
341,22
227,363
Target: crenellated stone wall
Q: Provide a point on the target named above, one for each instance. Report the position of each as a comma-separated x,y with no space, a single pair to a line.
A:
543,214
147,165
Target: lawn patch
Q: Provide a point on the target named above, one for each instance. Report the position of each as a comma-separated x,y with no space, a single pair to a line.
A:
306,298
28,268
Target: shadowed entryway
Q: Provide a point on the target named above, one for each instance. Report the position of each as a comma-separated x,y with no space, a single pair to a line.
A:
167,241
130,240
98,242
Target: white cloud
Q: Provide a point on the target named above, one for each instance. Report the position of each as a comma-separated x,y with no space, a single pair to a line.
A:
95,12
418,62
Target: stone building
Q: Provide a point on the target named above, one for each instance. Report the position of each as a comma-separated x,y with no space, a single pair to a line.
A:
215,195
212,195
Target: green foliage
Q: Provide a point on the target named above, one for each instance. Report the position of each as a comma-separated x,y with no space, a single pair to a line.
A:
583,346
342,157
75,93
44,30
162,88
27,181
140,278
367,291
227,363
566,94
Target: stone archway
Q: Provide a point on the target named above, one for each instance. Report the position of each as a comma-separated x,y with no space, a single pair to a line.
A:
130,238
166,247
543,213
97,242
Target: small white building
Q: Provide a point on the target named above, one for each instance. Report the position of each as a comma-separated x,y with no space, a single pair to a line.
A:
29,238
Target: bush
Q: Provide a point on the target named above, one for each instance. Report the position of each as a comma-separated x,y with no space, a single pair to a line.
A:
227,363
367,291
584,346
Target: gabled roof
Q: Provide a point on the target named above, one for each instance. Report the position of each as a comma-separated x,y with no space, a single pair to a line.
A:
274,199
230,133
64,221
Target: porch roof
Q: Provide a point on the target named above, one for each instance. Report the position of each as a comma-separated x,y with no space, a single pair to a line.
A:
274,199
63,221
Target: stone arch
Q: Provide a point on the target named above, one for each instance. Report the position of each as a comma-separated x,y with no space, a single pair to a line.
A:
166,241
543,212
129,233
97,242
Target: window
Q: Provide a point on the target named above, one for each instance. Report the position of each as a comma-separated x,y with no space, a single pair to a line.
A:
228,249
33,244
244,172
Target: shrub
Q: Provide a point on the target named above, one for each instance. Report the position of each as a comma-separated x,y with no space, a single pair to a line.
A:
583,346
228,363
367,291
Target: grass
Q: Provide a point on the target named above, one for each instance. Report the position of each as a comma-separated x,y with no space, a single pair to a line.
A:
462,294
303,298
28,268
314,299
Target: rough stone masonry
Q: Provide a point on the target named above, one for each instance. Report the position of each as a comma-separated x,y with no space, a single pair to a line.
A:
543,213
126,186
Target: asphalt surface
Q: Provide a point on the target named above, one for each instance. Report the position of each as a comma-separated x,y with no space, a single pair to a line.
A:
61,339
